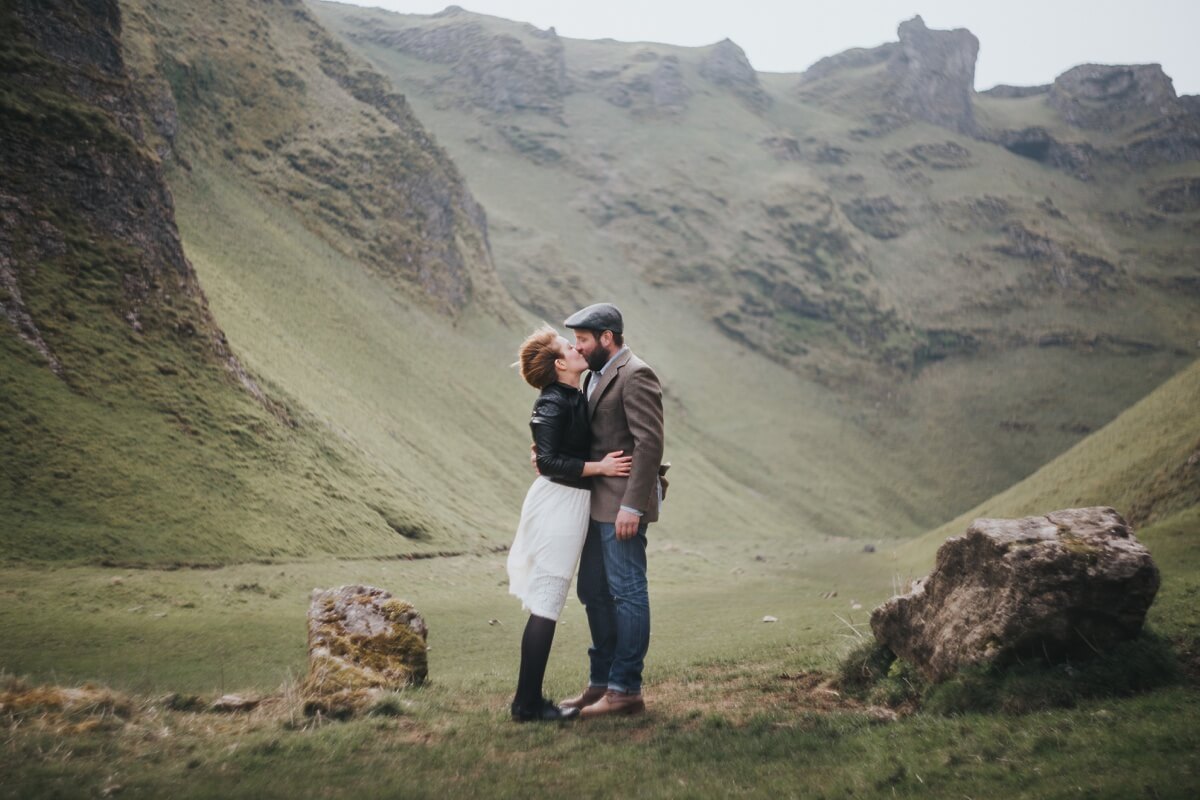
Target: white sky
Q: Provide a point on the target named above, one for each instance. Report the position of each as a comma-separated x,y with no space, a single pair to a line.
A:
1023,42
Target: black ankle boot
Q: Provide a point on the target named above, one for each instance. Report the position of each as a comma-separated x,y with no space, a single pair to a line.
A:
543,711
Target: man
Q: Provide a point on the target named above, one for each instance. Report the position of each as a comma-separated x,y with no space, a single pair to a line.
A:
625,408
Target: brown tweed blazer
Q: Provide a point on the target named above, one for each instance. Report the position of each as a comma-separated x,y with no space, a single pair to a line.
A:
627,414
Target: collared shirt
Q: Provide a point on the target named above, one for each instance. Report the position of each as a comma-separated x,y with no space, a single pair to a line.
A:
591,387
600,373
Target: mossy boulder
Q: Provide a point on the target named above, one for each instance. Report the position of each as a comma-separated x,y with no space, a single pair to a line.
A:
362,639
1072,583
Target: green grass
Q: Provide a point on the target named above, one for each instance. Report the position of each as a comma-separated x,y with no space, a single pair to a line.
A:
788,455
1143,664
1142,464
730,710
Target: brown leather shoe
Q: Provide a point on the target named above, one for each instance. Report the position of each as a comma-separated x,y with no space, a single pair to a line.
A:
615,703
590,695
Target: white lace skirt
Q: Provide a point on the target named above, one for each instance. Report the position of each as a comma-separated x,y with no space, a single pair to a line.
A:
545,552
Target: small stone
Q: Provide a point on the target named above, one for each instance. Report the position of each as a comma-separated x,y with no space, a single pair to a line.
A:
881,714
868,548
231,703
769,618
494,622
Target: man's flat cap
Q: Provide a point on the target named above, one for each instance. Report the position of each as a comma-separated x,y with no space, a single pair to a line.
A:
597,317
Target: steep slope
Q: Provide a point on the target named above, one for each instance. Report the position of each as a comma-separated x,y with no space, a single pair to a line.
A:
131,431
1145,463
421,384
873,225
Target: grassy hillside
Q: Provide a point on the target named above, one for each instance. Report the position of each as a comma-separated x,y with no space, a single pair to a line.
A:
960,302
425,389
839,369
132,433
1145,464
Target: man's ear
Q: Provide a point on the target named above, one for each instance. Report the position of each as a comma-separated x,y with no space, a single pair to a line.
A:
606,342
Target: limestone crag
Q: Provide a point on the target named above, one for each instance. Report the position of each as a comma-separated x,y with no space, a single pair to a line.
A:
1171,139
726,65
1102,97
1036,143
498,72
934,73
1070,583
80,186
380,191
643,88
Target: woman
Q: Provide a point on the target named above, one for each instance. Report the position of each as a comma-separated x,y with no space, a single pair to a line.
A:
554,517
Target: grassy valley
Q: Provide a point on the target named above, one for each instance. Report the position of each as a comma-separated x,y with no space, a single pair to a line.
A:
907,269
263,270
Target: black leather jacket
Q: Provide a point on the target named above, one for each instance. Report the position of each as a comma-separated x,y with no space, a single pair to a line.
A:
562,434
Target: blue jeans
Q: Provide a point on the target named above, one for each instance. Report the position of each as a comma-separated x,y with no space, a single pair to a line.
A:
612,586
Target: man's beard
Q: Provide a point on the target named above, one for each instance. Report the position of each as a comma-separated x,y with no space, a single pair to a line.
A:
598,358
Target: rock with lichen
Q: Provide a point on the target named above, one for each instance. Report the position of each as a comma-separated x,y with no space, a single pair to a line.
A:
1070,583
362,640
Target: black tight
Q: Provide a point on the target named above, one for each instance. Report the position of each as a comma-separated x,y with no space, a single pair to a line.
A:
535,652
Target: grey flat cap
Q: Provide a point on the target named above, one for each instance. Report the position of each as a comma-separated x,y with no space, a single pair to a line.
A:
597,317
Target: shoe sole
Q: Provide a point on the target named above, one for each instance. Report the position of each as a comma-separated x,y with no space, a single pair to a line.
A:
627,711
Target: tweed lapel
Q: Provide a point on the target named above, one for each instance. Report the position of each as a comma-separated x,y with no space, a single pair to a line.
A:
606,380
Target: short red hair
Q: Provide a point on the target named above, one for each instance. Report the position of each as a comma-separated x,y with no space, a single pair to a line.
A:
537,356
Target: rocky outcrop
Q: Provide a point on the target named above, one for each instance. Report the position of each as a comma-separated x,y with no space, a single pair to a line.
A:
725,64
1101,97
1060,263
82,193
1172,139
660,88
1037,144
383,193
934,72
360,639
855,58
1070,583
1137,101
498,72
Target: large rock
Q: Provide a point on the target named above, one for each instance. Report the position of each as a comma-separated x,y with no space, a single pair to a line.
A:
726,65
524,70
934,73
1103,97
644,89
1071,582
362,638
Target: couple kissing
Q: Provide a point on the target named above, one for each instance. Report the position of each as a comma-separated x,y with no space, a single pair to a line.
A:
598,449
